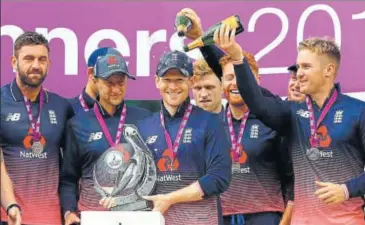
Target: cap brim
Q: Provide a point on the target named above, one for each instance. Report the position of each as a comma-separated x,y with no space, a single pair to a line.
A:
182,71
112,72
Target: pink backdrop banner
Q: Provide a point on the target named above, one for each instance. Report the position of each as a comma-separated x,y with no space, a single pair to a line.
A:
143,31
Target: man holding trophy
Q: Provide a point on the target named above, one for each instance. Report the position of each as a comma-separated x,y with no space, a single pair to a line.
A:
190,148
106,162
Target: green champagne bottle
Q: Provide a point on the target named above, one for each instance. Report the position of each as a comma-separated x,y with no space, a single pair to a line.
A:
182,24
208,37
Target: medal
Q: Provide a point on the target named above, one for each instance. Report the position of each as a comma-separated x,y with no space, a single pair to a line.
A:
37,148
313,154
236,167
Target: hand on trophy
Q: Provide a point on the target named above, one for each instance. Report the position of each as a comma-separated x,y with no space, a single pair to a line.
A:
161,202
196,28
225,39
108,202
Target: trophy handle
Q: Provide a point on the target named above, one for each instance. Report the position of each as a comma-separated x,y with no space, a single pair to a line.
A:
148,183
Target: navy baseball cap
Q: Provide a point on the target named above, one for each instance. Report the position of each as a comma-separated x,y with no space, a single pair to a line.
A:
110,64
175,60
100,52
293,68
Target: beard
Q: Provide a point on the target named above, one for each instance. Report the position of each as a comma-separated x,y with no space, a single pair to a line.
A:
26,80
234,99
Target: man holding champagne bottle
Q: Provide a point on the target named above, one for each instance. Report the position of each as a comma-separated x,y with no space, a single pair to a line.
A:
327,153
236,209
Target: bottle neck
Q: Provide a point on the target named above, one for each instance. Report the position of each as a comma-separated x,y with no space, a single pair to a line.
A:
195,44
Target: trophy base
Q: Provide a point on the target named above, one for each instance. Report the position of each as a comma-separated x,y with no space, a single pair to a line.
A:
140,205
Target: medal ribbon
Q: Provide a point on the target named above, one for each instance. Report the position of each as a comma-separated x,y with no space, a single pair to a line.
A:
83,104
35,125
105,128
235,142
173,148
314,140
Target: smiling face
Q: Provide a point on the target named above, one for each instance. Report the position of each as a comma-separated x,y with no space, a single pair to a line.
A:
311,70
229,82
174,87
294,93
318,62
230,88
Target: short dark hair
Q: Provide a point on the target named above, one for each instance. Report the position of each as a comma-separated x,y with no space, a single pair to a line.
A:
30,38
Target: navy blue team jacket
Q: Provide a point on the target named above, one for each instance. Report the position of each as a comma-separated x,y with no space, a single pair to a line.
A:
85,143
341,157
212,54
76,105
35,177
203,156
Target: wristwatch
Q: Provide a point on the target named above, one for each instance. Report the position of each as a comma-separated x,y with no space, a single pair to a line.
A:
12,206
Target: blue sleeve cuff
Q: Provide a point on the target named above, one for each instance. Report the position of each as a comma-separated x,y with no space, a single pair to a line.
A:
209,187
356,186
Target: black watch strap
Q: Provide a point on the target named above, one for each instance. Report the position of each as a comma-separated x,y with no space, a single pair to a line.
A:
12,206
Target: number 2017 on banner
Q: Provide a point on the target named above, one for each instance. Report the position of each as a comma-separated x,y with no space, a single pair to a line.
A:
300,29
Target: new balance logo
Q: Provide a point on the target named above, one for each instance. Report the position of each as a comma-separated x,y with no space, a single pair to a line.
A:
13,117
151,139
95,136
303,113
338,116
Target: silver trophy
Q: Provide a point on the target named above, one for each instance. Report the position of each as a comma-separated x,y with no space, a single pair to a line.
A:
126,172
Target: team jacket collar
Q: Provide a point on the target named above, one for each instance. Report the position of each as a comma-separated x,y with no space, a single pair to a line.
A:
224,114
89,101
336,87
18,96
180,111
105,114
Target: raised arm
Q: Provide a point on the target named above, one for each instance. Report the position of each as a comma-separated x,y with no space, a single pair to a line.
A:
272,111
